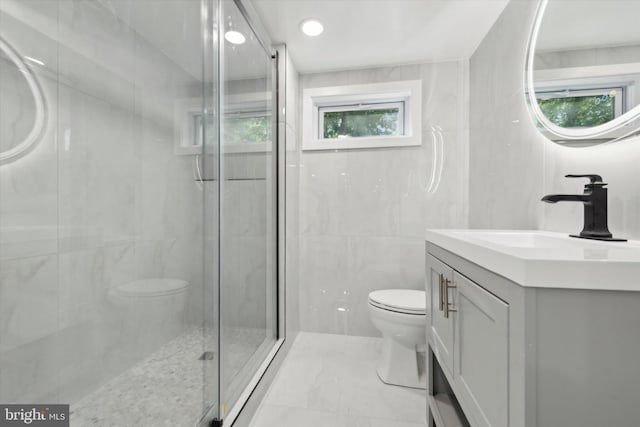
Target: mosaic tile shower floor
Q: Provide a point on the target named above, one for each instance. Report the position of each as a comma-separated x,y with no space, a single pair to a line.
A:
166,389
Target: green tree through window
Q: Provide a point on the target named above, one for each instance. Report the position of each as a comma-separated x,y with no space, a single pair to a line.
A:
358,123
247,129
579,111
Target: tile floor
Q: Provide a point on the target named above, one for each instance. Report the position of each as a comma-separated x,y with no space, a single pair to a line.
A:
331,381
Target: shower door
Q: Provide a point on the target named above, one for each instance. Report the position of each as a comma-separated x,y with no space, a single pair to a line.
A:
109,209
248,205
138,232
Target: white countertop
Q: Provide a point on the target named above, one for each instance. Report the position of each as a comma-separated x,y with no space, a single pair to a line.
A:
547,259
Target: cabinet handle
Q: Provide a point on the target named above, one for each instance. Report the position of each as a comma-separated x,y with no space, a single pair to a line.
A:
447,304
441,293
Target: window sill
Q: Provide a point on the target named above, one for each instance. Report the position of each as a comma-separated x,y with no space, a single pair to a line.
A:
361,143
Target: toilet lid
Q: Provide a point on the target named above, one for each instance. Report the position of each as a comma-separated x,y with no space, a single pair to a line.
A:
403,300
152,287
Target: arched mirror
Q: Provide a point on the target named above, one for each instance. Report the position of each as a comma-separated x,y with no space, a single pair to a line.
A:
22,107
583,70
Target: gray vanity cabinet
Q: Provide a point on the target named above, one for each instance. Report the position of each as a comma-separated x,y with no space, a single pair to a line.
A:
481,353
510,355
468,336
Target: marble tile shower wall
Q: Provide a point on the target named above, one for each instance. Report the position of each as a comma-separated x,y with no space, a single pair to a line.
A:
101,201
244,248
512,165
363,212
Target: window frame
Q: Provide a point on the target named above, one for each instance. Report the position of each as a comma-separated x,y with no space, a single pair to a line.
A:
344,98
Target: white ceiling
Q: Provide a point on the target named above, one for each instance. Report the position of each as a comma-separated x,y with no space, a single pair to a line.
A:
595,23
366,33
173,27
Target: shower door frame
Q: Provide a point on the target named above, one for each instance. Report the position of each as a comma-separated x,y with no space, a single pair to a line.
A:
213,416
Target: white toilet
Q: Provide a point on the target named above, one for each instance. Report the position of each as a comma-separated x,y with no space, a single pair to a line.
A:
401,317
157,307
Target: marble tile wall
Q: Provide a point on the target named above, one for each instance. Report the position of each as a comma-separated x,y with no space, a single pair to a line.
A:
505,151
244,256
512,166
363,212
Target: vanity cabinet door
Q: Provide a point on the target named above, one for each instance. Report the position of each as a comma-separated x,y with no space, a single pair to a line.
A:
440,332
481,365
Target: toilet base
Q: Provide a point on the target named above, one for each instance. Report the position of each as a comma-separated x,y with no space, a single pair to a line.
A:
401,365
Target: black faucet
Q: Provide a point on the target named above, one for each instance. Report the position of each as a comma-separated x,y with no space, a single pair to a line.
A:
594,199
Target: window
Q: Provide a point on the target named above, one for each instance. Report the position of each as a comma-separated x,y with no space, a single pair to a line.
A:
356,121
362,116
246,127
575,108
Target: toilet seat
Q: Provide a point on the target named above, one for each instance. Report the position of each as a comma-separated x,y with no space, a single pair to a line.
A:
406,301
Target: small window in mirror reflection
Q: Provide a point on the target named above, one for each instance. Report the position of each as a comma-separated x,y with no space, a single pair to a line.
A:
578,108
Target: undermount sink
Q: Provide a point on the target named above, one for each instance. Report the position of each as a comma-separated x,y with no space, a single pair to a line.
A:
546,259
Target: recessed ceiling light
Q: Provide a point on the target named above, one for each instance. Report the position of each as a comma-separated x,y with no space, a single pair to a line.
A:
311,27
234,37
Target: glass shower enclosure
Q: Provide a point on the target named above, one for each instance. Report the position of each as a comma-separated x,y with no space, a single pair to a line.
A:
138,208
